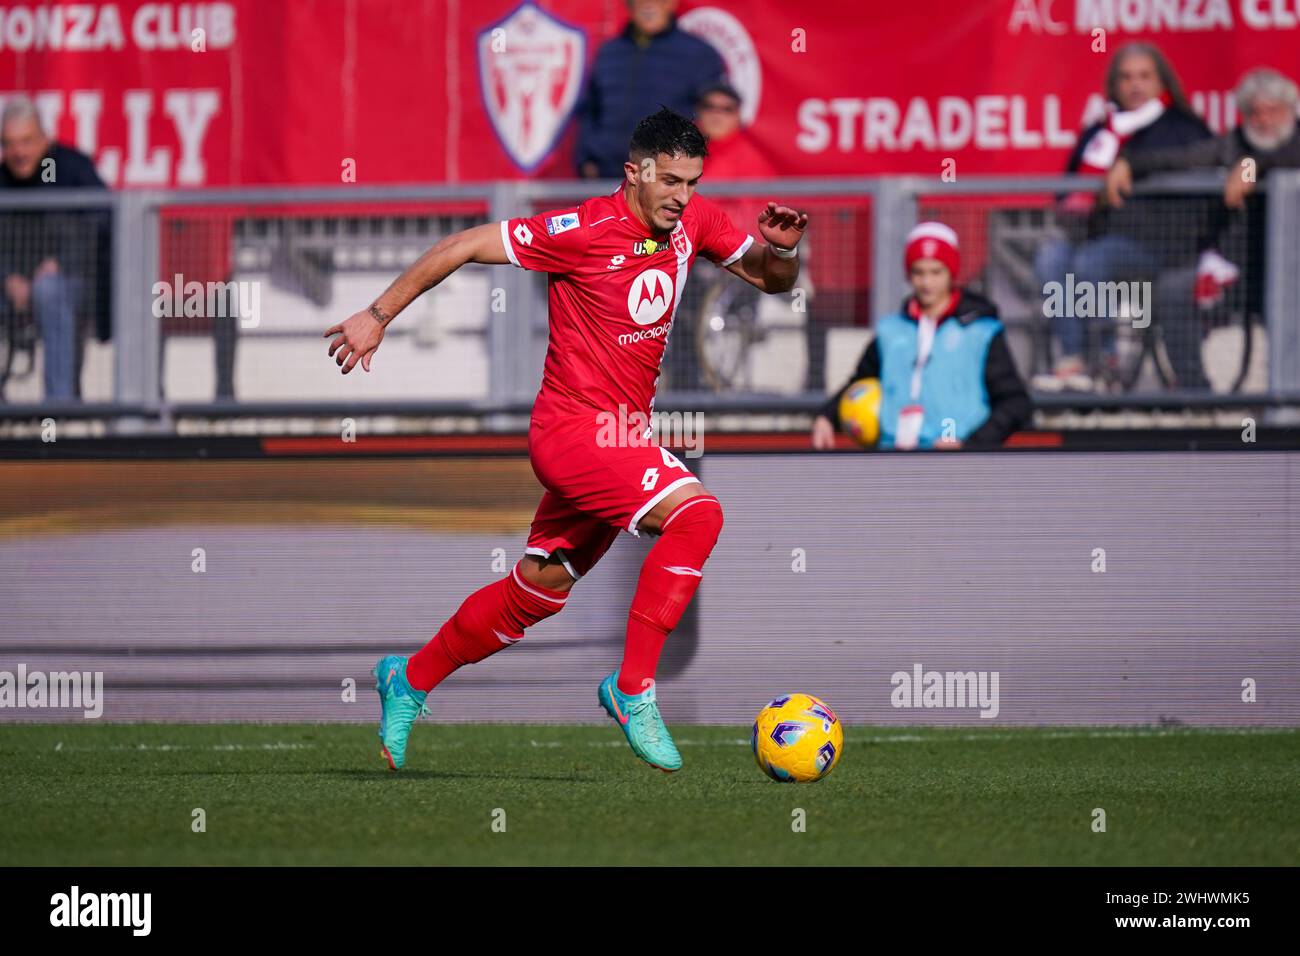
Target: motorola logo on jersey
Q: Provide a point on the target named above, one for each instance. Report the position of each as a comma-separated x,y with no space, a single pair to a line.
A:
650,297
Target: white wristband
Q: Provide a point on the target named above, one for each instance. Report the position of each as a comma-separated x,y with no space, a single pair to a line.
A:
784,253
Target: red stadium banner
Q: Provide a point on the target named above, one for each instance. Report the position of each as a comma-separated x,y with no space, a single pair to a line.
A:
258,92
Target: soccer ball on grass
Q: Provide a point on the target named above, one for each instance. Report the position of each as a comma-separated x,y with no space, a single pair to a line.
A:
797,739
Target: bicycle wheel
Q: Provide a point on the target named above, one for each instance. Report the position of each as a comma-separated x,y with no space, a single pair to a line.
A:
723,334
1132,346
1227,350
8,322
1247,337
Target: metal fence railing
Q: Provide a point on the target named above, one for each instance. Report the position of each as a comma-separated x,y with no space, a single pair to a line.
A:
214,302
1116,290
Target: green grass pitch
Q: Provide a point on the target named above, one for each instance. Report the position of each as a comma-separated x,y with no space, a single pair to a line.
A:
122,794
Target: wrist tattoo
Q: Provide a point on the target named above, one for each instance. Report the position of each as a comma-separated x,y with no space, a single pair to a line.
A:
379,316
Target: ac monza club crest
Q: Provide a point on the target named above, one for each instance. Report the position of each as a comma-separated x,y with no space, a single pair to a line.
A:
530,70
681,242
650,296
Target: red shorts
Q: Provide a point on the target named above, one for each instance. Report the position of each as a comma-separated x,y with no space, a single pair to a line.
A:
595,488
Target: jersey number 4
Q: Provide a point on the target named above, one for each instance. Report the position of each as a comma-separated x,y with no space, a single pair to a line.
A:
651,476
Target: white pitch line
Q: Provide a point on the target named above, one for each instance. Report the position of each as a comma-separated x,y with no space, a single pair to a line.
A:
1134,733
1028,734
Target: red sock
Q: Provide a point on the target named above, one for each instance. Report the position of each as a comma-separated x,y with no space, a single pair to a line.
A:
489,620
668,580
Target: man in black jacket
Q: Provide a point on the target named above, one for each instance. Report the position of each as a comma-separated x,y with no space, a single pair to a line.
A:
651,63
54,264
1267,138
1146,110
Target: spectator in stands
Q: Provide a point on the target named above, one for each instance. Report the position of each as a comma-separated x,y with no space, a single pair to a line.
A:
947,378
1146,110
54,264
732,154
651,63
1268,136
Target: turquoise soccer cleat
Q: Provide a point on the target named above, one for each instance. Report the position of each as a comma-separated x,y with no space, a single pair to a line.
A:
400,706
638,716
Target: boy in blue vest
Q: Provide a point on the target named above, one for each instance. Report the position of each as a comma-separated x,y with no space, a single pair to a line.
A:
947,379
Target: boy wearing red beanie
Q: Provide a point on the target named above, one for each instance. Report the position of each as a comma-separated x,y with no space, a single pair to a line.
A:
946,375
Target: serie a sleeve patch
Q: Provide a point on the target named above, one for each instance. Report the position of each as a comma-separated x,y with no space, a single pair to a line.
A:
562,223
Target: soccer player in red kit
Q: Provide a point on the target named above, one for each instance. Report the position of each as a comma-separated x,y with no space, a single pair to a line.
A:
616,265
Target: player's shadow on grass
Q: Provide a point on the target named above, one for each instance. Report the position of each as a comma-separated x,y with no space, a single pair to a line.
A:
359,774
353,773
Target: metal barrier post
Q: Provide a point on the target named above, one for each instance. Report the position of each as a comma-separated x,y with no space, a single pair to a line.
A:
893,216
512,369
136,338
1282,282
510,281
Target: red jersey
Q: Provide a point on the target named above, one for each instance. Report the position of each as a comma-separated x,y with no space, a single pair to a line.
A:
613,293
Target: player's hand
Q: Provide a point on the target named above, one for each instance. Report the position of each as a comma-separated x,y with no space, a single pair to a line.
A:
356,341
947,444
781,225
19,290
823,434
1119,183
1235,189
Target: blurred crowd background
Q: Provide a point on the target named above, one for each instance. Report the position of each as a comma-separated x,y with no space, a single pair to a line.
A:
190,193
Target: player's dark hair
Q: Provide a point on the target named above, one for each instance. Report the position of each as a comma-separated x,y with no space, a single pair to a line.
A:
666,133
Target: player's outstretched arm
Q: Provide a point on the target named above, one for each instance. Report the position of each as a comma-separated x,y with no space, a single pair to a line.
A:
357,338
782,228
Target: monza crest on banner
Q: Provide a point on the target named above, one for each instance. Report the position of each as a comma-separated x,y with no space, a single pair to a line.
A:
530,71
